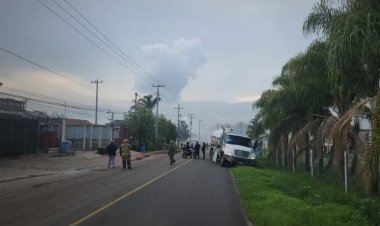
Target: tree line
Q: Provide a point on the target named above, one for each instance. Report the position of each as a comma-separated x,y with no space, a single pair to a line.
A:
321,95
140,122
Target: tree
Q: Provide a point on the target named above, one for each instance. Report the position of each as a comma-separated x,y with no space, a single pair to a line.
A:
168,130
352,33
140,122
301,95
148,102
255,128
183,131
140,125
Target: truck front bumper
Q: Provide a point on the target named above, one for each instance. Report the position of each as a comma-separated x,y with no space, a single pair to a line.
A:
234,160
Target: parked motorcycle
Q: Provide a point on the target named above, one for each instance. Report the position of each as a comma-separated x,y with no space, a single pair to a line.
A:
188,153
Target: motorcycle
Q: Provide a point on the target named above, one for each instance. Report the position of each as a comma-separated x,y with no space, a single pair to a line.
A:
188,153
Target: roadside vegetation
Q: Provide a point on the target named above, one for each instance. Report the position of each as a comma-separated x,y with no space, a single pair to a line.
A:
272,196
313,117
140,122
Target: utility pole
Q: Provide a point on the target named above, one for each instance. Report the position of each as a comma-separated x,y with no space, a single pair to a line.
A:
199,132
111,112
178,115
191,124
65,109
96,106
136,95
158,100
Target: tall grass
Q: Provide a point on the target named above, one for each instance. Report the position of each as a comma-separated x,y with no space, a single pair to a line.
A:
274,197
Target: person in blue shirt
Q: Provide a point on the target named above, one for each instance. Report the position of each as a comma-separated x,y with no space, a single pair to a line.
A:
111,150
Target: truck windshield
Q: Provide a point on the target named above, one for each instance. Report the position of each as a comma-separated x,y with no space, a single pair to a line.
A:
243,141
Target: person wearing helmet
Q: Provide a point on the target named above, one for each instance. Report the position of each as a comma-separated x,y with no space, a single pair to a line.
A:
171,152
125,154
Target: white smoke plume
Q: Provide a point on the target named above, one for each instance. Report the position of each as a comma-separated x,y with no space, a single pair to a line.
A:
173,65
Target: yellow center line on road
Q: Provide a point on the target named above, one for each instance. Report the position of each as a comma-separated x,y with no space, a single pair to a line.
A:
81,220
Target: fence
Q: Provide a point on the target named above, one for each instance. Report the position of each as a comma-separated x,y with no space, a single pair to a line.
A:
18,135
24,134
88,137
316,166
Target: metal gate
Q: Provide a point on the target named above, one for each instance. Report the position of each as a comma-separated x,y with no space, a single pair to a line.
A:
18,135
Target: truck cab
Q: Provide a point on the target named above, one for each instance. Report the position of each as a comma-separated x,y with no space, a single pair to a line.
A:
237,148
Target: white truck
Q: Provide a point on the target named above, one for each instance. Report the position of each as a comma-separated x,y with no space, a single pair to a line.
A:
231,147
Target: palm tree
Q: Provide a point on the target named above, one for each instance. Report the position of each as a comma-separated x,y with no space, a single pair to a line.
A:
148,102
255,128
352,33
301,96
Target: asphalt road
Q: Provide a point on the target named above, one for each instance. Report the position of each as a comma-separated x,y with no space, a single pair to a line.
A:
191,192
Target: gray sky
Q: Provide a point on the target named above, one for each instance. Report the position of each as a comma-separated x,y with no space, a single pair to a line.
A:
215,57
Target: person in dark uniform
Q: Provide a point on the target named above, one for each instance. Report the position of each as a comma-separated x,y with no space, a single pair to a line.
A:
196,148
203,149
187,149
171,152
111,150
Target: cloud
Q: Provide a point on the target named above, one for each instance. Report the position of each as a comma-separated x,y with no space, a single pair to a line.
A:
173,65
249,99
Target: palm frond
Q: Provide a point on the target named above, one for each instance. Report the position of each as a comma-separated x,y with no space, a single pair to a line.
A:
303,132
299,139
340,131
321,18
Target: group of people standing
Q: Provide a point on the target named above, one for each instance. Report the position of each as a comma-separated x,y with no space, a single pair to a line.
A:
197,147
124,152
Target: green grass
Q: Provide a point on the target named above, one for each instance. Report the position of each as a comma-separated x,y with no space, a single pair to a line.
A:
275,197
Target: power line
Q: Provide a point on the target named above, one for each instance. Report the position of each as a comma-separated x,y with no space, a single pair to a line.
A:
93,42
71,80
127,58
48,102
147,76
51,71
31,94
35,104
123,55
40,66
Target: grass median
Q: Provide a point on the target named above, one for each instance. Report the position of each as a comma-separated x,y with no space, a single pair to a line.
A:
276,197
